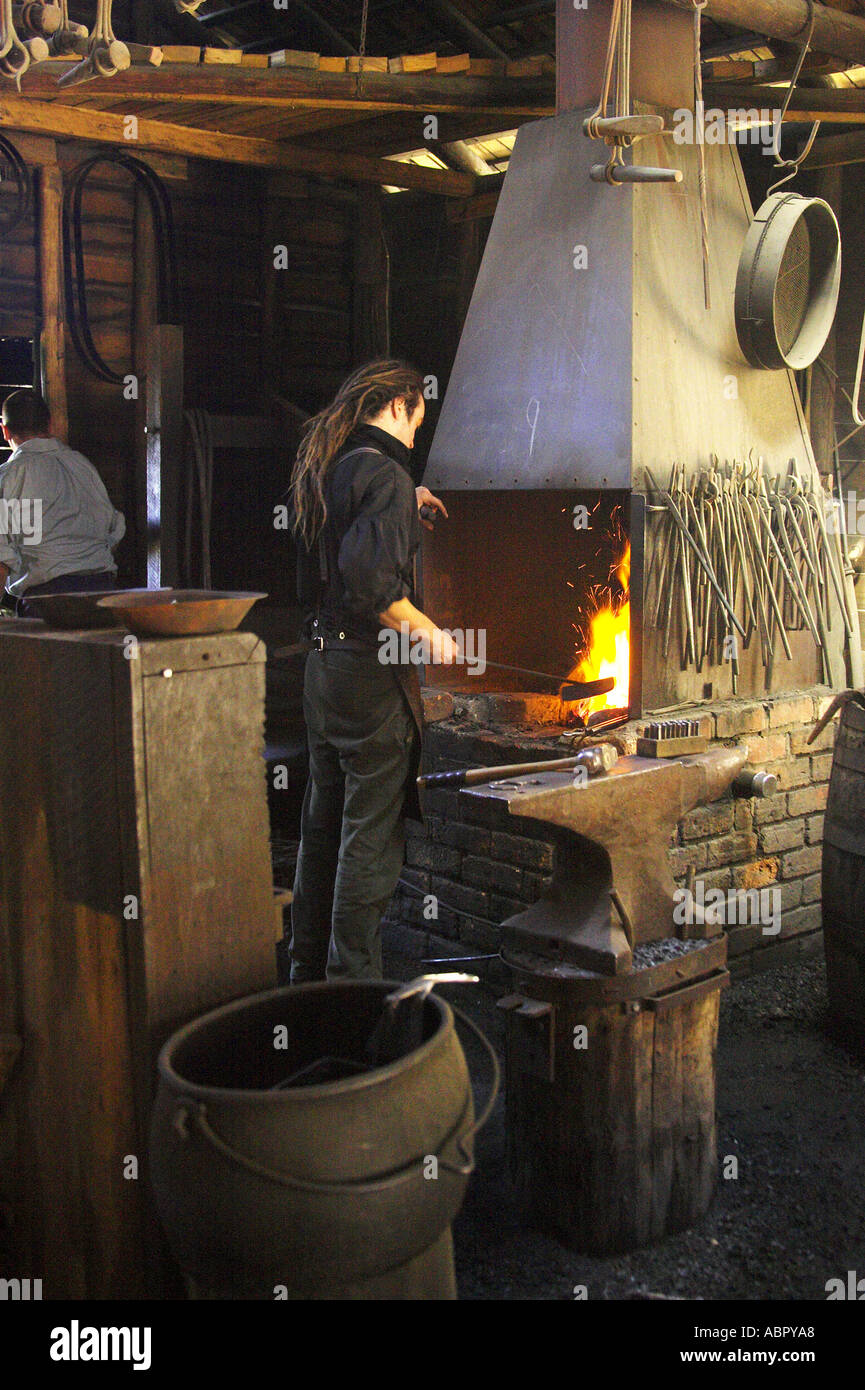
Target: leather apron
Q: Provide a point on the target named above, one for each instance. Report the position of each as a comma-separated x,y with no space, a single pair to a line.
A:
408,680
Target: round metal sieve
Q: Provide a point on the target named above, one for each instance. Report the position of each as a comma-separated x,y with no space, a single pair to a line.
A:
787,283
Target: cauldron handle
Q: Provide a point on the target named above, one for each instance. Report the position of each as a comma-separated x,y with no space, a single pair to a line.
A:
468,1163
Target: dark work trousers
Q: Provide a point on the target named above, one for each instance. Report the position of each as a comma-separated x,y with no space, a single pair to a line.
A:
362,739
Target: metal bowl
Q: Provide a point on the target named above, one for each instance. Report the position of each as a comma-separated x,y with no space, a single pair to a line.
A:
73,611
179,612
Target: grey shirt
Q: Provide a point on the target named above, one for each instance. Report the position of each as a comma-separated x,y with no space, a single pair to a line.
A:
55,516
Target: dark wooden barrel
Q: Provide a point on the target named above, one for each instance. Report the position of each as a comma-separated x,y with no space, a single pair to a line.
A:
844,878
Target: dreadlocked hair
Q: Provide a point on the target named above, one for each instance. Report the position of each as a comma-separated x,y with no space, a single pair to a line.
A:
361,397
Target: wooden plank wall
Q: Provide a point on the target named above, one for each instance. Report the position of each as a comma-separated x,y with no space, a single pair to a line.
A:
18,266
253,332
434,264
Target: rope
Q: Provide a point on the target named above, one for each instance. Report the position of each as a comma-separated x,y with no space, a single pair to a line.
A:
699,6
618,52
793,164
601,109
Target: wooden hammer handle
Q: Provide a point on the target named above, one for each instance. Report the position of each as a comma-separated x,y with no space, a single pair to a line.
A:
471,777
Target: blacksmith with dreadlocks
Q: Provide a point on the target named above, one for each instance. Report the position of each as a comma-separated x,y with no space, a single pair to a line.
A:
356,520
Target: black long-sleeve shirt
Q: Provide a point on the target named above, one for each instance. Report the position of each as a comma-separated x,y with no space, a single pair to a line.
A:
371,535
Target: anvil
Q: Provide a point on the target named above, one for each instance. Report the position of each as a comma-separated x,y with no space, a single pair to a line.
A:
612,837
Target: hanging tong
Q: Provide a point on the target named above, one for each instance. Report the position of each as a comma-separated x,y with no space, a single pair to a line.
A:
15,56
71,40
400,1027
838,703
620,131
106,55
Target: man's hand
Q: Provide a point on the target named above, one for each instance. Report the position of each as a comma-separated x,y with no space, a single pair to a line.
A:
426,499
444,648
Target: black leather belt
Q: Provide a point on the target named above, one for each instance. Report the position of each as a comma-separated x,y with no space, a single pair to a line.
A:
330,644
324,644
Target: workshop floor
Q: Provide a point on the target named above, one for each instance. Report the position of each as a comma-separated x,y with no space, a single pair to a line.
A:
791,1108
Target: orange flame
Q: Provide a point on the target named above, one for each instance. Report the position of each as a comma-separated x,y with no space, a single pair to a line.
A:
607,650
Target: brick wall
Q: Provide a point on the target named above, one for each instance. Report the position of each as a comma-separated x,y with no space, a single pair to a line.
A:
481,873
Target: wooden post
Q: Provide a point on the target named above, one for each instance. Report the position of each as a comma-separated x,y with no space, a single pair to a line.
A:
662,54
371,326
164,394
469,261
52,346
822,384
144,315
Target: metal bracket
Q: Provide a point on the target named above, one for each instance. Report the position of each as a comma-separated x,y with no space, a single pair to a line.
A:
531,1035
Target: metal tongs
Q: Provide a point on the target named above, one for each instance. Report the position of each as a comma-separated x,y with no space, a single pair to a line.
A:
839,702
400,1028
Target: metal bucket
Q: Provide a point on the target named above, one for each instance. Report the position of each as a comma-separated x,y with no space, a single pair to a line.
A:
345,1189
844,878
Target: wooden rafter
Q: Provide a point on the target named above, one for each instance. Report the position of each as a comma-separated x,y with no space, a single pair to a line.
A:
105,127
833,104
842,35
302,88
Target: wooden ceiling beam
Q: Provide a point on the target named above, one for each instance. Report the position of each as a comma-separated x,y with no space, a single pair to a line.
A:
837,149
835,32
21,113
836,104
306,87
392,133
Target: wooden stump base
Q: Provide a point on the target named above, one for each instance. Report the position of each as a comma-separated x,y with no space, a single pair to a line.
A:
611,1131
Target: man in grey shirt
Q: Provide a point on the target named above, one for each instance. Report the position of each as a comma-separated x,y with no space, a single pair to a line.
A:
58,528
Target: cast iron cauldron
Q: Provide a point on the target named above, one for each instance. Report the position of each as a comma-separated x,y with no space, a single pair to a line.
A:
314,1191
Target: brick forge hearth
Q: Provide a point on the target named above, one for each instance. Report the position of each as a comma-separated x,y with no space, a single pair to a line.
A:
480,872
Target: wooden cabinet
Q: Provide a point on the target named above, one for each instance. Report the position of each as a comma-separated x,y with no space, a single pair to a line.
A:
135,893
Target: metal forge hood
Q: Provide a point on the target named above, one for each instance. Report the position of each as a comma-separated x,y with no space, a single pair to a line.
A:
587,350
